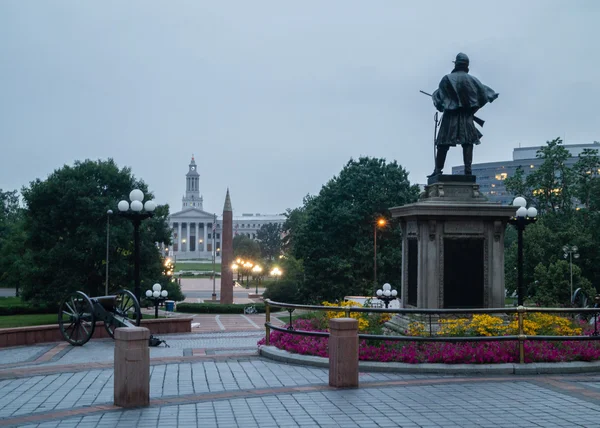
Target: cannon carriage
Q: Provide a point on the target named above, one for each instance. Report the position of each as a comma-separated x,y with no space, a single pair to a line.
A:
78,313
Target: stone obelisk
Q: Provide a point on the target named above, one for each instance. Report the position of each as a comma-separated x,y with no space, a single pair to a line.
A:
227,253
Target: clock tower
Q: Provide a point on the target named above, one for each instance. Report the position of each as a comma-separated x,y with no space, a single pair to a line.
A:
192,198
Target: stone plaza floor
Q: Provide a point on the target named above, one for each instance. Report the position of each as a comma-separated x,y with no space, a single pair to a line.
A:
218,380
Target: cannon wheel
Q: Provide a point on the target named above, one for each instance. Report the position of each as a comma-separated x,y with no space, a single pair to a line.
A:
127,307
76,319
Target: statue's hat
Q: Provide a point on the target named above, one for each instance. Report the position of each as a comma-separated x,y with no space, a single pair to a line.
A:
461,58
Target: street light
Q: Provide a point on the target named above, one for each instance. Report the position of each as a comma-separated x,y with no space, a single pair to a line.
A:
133,211
379,223
256,270
276,272
247,266
523,218
235,268
108,214
387,294
157,296
571,253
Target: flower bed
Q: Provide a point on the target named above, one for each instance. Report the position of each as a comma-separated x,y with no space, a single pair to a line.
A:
453,353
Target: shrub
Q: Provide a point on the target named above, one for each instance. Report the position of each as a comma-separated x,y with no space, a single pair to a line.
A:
285,291
216,308
536,323
14,306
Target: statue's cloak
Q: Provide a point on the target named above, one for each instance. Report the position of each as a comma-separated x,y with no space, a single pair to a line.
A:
459,96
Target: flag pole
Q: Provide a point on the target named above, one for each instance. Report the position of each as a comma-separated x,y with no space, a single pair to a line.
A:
214,228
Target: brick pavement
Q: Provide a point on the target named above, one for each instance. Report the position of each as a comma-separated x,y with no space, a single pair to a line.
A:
230,322
255,393
215,378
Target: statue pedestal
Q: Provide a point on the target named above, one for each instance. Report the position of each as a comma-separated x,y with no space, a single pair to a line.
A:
453,246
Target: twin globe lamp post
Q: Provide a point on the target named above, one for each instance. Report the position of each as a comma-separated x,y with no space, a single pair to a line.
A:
157,295
136,211
523,218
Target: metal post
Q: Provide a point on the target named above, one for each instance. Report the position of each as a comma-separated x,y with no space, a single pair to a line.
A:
522,336
214,254
108,213
156,303
267,322
520,228
136,258
375,253
571,267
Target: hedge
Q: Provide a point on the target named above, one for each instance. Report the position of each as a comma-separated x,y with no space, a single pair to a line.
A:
24,309
216,308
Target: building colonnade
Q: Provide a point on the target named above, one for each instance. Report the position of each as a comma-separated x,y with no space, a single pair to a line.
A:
195,238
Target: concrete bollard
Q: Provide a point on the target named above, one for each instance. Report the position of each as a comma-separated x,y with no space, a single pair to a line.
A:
132,367
343,352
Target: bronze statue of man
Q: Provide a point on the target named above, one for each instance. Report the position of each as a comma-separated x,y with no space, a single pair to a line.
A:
458,97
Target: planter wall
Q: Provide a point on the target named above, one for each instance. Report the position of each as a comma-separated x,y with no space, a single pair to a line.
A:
50,333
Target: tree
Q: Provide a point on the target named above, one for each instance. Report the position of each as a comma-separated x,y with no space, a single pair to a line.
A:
555,189
245,248
335,241
269,239
585,174
65,232
295,219
12,247
553,284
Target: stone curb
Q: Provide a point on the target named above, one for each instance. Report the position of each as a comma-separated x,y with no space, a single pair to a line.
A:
276,354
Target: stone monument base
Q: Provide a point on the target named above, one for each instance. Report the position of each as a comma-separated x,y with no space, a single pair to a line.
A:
453,246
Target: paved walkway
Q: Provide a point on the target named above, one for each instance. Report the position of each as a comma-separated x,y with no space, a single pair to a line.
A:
214,377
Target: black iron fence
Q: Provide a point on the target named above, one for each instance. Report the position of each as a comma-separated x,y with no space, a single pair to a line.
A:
430,318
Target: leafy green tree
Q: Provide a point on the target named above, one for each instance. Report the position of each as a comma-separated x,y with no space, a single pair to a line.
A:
335,242
12,249
518,185
295,219
269,239
552,286
65,232
586,172
245,248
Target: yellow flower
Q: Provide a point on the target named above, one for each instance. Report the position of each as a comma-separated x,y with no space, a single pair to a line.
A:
415,328
363,322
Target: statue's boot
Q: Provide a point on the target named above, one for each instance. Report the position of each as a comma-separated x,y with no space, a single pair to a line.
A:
440,160
468,158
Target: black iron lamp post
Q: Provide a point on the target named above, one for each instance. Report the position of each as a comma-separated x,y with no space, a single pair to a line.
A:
157,295
136,211
523,218
256,270
387,294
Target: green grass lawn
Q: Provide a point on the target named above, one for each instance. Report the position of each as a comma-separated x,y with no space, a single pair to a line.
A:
7,321
10,301
197,266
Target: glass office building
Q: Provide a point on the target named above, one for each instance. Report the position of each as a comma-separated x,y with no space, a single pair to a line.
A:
491,175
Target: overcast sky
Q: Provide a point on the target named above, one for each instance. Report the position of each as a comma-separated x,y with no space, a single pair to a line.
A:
274,97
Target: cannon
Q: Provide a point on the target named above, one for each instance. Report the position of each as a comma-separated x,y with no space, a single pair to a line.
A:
78,313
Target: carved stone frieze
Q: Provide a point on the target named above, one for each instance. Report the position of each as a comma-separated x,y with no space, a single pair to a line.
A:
456,227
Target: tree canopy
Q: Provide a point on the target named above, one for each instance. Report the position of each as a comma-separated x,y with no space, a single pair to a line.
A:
333,232
65,226
269,239
245,248
567,198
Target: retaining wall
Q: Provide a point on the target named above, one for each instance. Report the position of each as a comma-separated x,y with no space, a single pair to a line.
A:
50,333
